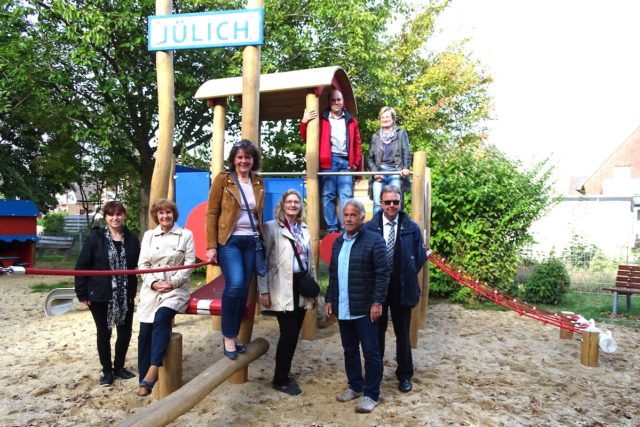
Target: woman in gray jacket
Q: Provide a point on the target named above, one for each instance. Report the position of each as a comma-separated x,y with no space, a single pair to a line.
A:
279,289
388,151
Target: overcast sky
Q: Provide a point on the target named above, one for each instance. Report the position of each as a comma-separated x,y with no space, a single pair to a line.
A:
566,75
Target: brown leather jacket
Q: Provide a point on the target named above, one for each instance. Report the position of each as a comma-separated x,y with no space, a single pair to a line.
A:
223,209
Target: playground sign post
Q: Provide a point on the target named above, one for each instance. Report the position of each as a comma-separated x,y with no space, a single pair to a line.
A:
206,30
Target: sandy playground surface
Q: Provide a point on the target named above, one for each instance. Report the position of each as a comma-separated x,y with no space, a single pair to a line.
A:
472,368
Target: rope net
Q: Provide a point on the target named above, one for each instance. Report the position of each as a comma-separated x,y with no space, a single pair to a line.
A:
523,308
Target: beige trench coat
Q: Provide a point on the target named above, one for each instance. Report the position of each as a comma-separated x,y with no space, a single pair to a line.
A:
159,250
280,257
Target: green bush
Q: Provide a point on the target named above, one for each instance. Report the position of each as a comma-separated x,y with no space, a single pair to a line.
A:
548,283
53,223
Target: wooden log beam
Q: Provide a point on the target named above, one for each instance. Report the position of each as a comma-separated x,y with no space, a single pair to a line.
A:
314,205
164,411
418,215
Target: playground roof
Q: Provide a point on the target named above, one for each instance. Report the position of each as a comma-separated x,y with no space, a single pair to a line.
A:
282,95
11,207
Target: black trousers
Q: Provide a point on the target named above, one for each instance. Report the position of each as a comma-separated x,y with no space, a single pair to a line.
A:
290,323
99,312
401,319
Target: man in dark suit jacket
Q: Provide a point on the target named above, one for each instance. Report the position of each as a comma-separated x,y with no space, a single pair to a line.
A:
358,280
407,255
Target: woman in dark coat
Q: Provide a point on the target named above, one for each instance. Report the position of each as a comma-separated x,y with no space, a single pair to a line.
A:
110,298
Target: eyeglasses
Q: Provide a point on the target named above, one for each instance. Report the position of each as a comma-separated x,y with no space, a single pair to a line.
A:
292,202
243,143
391,202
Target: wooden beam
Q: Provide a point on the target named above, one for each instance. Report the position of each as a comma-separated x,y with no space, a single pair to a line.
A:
314,204
164,411
166,118
418,215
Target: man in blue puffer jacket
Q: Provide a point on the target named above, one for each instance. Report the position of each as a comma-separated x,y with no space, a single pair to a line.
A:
407,254
358,280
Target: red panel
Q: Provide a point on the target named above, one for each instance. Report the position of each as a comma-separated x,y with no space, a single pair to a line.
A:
325,247
196,223
17,225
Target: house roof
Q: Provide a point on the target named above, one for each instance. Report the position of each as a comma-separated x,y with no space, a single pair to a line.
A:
282,95
11,207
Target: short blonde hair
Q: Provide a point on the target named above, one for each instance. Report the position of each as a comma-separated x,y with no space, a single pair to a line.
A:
387,109
161,204
279,210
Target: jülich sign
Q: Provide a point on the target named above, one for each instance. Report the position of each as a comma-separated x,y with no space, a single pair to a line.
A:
203,30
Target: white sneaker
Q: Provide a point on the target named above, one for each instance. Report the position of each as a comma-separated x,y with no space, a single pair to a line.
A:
366,405
348,395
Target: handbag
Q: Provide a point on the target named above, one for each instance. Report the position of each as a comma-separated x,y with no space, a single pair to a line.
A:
261,258
308,287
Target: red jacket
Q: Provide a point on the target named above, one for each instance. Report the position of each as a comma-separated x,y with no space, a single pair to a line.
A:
353,141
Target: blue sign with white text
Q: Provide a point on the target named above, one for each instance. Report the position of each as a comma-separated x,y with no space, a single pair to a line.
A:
208,29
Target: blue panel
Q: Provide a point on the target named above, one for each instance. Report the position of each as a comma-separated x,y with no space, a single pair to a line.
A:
11,207
192,188
18,238
274,187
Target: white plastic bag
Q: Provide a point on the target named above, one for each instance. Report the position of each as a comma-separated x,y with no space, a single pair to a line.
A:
607,343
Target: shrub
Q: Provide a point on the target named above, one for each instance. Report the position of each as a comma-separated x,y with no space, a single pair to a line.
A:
548,283
53,223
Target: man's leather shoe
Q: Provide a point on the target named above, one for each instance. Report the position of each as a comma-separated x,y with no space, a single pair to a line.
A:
405,386
123,373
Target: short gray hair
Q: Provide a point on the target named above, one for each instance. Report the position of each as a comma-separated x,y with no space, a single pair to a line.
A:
356,204
391,189
387,109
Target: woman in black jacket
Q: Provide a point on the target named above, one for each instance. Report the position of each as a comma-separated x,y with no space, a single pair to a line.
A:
110,298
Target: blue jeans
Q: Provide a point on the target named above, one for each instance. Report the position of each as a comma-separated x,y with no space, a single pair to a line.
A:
355,333
334,187
377,188
153,340
237,260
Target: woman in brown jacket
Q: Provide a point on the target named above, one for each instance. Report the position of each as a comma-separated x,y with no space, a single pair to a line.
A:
230,239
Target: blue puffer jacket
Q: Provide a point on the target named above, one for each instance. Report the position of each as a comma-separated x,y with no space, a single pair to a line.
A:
408,257
368,273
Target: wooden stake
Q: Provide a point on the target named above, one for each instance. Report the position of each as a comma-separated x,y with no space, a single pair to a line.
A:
590,349
170,373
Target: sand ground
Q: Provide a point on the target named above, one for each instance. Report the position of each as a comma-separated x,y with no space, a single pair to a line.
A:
472,368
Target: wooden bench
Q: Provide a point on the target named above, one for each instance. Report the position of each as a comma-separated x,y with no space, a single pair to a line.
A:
57,243
627,283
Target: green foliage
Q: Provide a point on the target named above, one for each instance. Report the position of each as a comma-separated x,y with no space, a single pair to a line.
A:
482,207
53,223
548,283
579,253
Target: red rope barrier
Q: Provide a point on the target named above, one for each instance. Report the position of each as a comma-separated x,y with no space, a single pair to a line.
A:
51,272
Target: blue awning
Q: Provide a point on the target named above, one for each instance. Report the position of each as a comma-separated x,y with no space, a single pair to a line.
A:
18,238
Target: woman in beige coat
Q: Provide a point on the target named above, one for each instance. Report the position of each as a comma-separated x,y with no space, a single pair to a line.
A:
279,289
162,295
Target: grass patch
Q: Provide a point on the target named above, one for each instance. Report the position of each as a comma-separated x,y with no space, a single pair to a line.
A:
48,287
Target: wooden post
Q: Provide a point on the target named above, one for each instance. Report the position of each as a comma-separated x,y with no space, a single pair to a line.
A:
166,118
250,131
566,319
590,349
309,327
170,373
164,411
424,301
418,213
217,165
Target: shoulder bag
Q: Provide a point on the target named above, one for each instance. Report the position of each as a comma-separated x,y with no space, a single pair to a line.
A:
261,259
308,287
